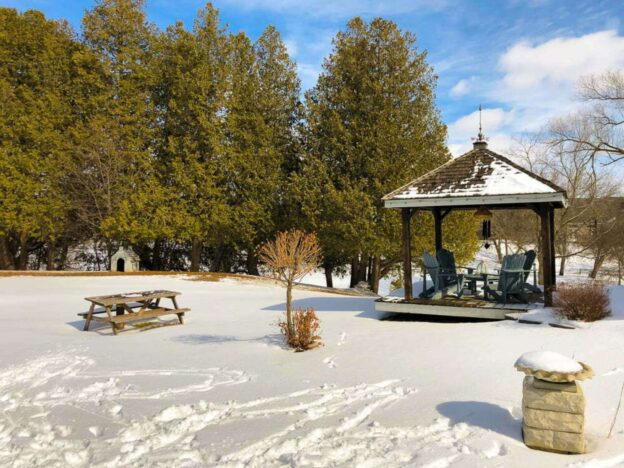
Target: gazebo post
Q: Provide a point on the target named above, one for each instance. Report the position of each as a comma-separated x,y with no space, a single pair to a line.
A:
551,224
437,219
546,247
407,252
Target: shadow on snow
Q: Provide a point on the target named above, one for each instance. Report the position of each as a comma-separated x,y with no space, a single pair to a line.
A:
364,305
485,415
197,339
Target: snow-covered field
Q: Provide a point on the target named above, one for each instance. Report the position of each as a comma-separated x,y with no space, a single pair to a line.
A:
221,390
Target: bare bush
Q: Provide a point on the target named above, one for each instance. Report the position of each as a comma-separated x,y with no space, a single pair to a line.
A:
292,255
306,326
586,302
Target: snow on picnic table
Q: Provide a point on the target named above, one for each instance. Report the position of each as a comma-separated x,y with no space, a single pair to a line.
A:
220,390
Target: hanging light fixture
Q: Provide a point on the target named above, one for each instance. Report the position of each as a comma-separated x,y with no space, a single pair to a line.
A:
483,214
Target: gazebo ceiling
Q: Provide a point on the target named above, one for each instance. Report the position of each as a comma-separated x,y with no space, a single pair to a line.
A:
479,177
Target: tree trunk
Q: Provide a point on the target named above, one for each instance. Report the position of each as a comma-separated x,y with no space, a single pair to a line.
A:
598,261
499,252
6,259
51,255
63,257
252,264
562,263
363,264
157,255
329,279
222,260
196,248
22,262
375,273
354,271
289,320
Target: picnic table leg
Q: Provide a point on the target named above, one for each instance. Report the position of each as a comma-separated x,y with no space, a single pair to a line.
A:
175,305
88,318
110,317
119,310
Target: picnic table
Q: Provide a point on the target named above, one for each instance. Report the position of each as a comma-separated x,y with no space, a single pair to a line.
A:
130,307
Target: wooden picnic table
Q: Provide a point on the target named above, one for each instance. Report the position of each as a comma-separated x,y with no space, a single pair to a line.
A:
130,307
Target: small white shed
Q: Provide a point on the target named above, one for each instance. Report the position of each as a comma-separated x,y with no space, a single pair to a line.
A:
125,259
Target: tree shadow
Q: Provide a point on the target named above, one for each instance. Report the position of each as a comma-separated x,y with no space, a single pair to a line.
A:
485,415
275,339
364,305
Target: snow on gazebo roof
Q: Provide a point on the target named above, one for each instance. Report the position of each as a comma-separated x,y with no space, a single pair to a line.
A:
477,178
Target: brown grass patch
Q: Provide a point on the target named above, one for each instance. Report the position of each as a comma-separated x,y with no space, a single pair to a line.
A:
191,276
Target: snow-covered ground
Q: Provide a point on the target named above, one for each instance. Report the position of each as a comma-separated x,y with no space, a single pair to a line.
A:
221,389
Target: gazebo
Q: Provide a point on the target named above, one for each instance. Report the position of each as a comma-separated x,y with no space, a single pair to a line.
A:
478,180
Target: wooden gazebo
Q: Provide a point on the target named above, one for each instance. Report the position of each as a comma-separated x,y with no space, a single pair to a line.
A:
480,179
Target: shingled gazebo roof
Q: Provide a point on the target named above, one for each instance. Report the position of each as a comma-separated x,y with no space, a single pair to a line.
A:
479,177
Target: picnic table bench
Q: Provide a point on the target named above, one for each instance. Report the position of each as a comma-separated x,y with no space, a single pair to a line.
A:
130,307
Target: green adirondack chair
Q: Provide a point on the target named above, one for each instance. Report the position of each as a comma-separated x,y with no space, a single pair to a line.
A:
443,279
446,259
528,267
511,280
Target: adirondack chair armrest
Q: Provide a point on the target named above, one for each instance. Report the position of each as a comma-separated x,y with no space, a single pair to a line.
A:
470,270
450,274
515,271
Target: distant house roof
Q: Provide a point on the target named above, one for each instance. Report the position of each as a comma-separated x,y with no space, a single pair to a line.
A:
477,178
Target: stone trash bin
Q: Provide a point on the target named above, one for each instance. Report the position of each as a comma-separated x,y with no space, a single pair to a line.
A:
553,403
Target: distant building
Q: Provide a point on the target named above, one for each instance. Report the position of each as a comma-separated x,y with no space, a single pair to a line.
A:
125,259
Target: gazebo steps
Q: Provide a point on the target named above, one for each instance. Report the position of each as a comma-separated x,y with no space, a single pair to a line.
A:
469,307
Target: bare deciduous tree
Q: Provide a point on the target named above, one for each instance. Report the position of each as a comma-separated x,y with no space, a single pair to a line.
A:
599,129
292,255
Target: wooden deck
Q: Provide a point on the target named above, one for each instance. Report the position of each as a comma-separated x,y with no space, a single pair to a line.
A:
467,306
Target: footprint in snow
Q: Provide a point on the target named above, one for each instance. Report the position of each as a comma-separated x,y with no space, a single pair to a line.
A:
330,362
342,339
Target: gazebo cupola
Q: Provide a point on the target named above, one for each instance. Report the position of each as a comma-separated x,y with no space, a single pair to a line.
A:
480,179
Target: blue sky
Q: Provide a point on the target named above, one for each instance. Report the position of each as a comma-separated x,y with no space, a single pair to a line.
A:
519,59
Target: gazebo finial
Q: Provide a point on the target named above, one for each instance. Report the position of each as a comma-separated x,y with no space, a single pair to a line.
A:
481,140
480,135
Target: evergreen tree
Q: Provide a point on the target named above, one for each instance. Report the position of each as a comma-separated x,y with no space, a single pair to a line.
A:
279,106
40,72
257,142
373,125
189,98
114,162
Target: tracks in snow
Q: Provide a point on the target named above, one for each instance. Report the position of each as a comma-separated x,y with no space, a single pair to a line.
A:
319,426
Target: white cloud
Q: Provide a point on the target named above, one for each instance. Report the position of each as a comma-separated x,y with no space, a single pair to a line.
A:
291,46
461,88
538,83
308,74
494,121
547,73
468,126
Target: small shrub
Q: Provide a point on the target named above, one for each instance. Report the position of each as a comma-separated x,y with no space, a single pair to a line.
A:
586,302
306,327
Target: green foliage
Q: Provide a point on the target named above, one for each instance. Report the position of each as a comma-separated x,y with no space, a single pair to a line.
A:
39,106
372,126
197,138
121,135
